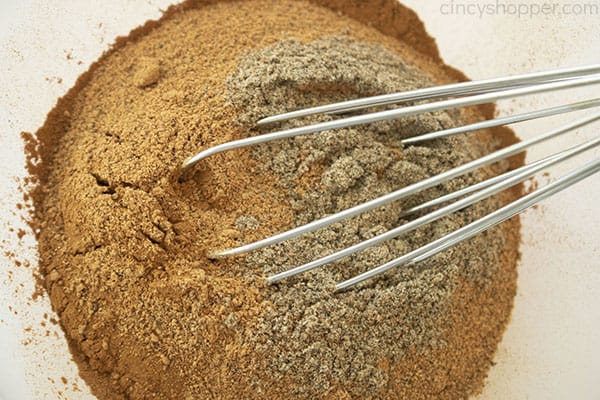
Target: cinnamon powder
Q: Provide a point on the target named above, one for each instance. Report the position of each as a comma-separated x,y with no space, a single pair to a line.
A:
123,239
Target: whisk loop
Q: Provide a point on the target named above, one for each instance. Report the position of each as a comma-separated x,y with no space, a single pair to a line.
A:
452,96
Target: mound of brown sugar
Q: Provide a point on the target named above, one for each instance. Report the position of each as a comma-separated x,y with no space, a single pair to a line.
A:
123,239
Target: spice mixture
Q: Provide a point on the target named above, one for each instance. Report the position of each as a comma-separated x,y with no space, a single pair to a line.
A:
308,329
124,238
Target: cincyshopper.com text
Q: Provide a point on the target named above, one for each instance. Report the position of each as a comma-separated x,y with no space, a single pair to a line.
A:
521,10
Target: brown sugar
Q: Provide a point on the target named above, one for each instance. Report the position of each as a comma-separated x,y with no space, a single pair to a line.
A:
123,238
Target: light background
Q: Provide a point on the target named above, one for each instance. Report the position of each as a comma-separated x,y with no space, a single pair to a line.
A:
551,349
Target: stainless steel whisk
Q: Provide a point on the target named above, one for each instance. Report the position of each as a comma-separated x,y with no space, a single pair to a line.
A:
440,98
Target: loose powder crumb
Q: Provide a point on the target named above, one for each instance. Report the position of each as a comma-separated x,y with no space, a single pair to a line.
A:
147,72
123,237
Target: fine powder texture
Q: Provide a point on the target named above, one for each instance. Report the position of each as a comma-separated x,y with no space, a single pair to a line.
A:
308,329
123,237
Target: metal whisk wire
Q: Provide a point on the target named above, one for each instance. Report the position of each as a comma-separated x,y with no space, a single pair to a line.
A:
454,96
480,92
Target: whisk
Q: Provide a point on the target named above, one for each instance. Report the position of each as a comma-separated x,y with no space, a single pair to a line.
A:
432,99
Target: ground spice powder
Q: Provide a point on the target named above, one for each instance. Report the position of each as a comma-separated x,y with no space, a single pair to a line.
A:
308,329
123,237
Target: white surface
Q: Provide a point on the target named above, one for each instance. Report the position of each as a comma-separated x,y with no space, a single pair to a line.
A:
551,349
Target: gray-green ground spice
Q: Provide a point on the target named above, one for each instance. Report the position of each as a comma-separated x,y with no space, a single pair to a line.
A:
308,331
